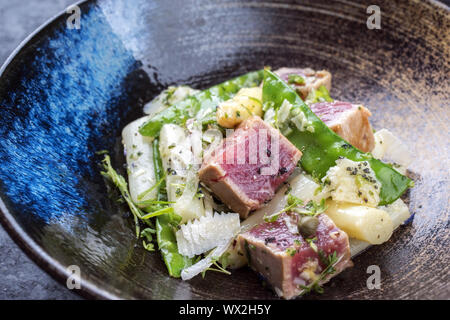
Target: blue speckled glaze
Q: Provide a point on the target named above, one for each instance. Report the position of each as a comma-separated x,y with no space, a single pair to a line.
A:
61,110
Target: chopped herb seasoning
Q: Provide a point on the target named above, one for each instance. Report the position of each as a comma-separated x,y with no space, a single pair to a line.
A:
346,146
291,251
296,79
318,190
312,244
330,262
292,202
312,208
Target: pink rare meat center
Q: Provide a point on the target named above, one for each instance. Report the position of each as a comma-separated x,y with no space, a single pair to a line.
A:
248,167
330,111
257,168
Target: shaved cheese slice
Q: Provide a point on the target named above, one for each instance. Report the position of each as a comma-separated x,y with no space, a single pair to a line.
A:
206,233
353,182
206,262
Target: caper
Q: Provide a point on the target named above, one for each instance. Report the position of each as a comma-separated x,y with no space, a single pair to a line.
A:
307,226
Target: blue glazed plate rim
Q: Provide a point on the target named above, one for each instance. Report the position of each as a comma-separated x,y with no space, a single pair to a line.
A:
13,228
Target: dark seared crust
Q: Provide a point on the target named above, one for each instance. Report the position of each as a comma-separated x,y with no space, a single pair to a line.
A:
272,265
314,79
351,124
356,129
214,177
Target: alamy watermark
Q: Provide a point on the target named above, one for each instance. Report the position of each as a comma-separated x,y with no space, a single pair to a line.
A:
374,280
259,147
374,20
74,20
74,279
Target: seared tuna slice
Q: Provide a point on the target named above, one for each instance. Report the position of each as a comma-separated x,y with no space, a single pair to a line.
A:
249,166
291,264
312,79
349,121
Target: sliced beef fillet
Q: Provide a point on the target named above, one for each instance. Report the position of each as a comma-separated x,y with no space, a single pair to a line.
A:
288,262
249,166
312,79
349,121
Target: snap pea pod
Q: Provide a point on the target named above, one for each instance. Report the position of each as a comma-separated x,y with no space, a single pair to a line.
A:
321,147
201,104
165,224
167,244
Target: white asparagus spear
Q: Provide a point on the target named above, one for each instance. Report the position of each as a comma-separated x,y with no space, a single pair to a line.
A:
141,172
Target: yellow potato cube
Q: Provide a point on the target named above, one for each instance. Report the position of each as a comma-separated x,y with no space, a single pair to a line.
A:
246,103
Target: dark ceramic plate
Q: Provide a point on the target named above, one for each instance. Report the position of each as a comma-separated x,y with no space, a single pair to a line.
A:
67,93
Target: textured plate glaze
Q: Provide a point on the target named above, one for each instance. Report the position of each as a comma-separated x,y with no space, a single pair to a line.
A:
66,94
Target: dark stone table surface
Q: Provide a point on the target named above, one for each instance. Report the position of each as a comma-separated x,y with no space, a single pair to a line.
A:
20,278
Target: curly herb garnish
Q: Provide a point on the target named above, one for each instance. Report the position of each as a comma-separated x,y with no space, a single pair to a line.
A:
330,261
291,251
156,186
147,234
312,208
312,244
292,202
119,181
220,264
152,208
